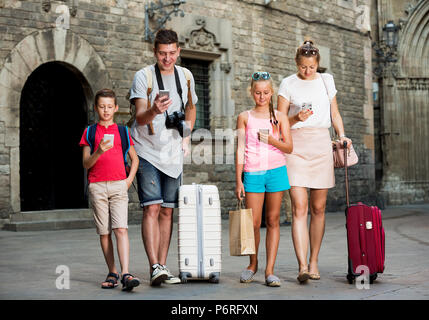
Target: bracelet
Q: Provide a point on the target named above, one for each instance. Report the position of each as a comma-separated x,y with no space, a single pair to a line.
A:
343,136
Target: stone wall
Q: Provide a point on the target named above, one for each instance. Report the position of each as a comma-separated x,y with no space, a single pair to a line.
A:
261,38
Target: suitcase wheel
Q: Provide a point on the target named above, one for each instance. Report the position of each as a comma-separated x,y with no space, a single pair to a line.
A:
214,277
350,278
184,277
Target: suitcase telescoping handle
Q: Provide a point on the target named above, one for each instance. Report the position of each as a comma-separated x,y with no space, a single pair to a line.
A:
347,175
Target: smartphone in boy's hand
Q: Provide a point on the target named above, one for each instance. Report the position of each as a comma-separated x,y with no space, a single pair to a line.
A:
109,138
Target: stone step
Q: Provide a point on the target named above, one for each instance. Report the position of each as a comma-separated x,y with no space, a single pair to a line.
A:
63,224
50,220
47,215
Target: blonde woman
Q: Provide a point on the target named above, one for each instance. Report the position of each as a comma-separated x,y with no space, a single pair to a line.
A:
309,100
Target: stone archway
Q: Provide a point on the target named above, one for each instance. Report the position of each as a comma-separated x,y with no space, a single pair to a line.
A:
52,45
405,114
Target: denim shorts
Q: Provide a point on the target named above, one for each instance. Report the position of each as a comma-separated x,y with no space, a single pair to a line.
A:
273,180
155,187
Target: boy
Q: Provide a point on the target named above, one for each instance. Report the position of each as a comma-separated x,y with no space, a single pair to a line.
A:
108,188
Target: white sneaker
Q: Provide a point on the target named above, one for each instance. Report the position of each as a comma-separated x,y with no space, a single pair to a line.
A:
158,275
171,279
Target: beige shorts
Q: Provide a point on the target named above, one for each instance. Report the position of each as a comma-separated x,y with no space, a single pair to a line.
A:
109,200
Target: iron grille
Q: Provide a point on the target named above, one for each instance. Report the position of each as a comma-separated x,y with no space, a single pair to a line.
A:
200,71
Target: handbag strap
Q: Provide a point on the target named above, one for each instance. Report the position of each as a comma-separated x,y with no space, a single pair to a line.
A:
330,106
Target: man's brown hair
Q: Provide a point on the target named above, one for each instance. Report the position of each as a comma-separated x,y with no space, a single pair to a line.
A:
105,93
166,36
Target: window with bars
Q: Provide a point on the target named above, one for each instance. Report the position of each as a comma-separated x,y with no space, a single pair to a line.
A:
200,71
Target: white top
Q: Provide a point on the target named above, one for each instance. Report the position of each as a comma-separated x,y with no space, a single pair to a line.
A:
299,92
163,149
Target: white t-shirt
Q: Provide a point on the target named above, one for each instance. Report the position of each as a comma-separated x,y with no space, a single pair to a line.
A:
298,92
163,149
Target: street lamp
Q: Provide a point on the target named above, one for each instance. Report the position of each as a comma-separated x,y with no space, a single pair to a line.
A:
390,34
385,51
164,15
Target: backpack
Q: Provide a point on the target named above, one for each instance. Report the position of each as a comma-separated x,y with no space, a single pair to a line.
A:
125,141
149,81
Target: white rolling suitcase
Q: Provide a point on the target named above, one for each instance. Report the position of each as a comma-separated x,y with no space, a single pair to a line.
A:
199,233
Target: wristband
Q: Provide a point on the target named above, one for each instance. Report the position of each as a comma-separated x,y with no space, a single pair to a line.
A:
343,136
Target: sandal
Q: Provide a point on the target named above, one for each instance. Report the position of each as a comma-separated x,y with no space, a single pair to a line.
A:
127,283
112,279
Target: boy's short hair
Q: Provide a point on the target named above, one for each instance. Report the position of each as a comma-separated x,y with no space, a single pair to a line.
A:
166,36
105,93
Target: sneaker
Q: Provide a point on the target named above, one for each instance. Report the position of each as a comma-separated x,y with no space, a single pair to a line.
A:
171,279
158,275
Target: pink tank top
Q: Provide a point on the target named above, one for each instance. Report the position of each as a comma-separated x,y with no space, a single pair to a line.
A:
258,155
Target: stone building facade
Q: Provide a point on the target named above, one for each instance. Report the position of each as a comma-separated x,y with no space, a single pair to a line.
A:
55,55
402,114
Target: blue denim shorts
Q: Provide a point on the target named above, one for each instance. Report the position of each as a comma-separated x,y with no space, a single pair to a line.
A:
273,180
155,187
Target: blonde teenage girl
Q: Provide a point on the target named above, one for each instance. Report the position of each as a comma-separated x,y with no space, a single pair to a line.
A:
263,138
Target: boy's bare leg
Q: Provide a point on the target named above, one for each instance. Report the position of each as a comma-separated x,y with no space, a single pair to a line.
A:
273,205
123,245
107,248
165,220
150,233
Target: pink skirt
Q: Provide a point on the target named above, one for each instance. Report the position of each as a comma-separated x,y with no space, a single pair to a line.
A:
311,163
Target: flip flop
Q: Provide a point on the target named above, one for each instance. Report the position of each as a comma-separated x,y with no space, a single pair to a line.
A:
303,276
247,276
272,281
114,282
315,276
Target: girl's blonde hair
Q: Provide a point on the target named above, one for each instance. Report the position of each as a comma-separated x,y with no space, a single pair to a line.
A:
273,119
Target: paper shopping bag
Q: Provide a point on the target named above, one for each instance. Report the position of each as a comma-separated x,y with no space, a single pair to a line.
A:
241,234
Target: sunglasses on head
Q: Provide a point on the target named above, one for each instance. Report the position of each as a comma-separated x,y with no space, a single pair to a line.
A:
309,51
261,76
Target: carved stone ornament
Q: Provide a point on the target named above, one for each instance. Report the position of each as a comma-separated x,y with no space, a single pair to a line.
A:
226,67
409,9
202,39
46,5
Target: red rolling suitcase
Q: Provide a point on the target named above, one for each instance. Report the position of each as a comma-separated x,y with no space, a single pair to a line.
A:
365,237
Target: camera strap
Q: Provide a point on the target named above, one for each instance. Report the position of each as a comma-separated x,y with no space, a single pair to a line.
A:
161,84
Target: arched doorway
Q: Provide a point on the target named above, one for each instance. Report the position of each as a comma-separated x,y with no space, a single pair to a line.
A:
53,115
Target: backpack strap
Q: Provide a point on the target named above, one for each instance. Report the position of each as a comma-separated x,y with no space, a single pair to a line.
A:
188,77
90,136
125,141
149,81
